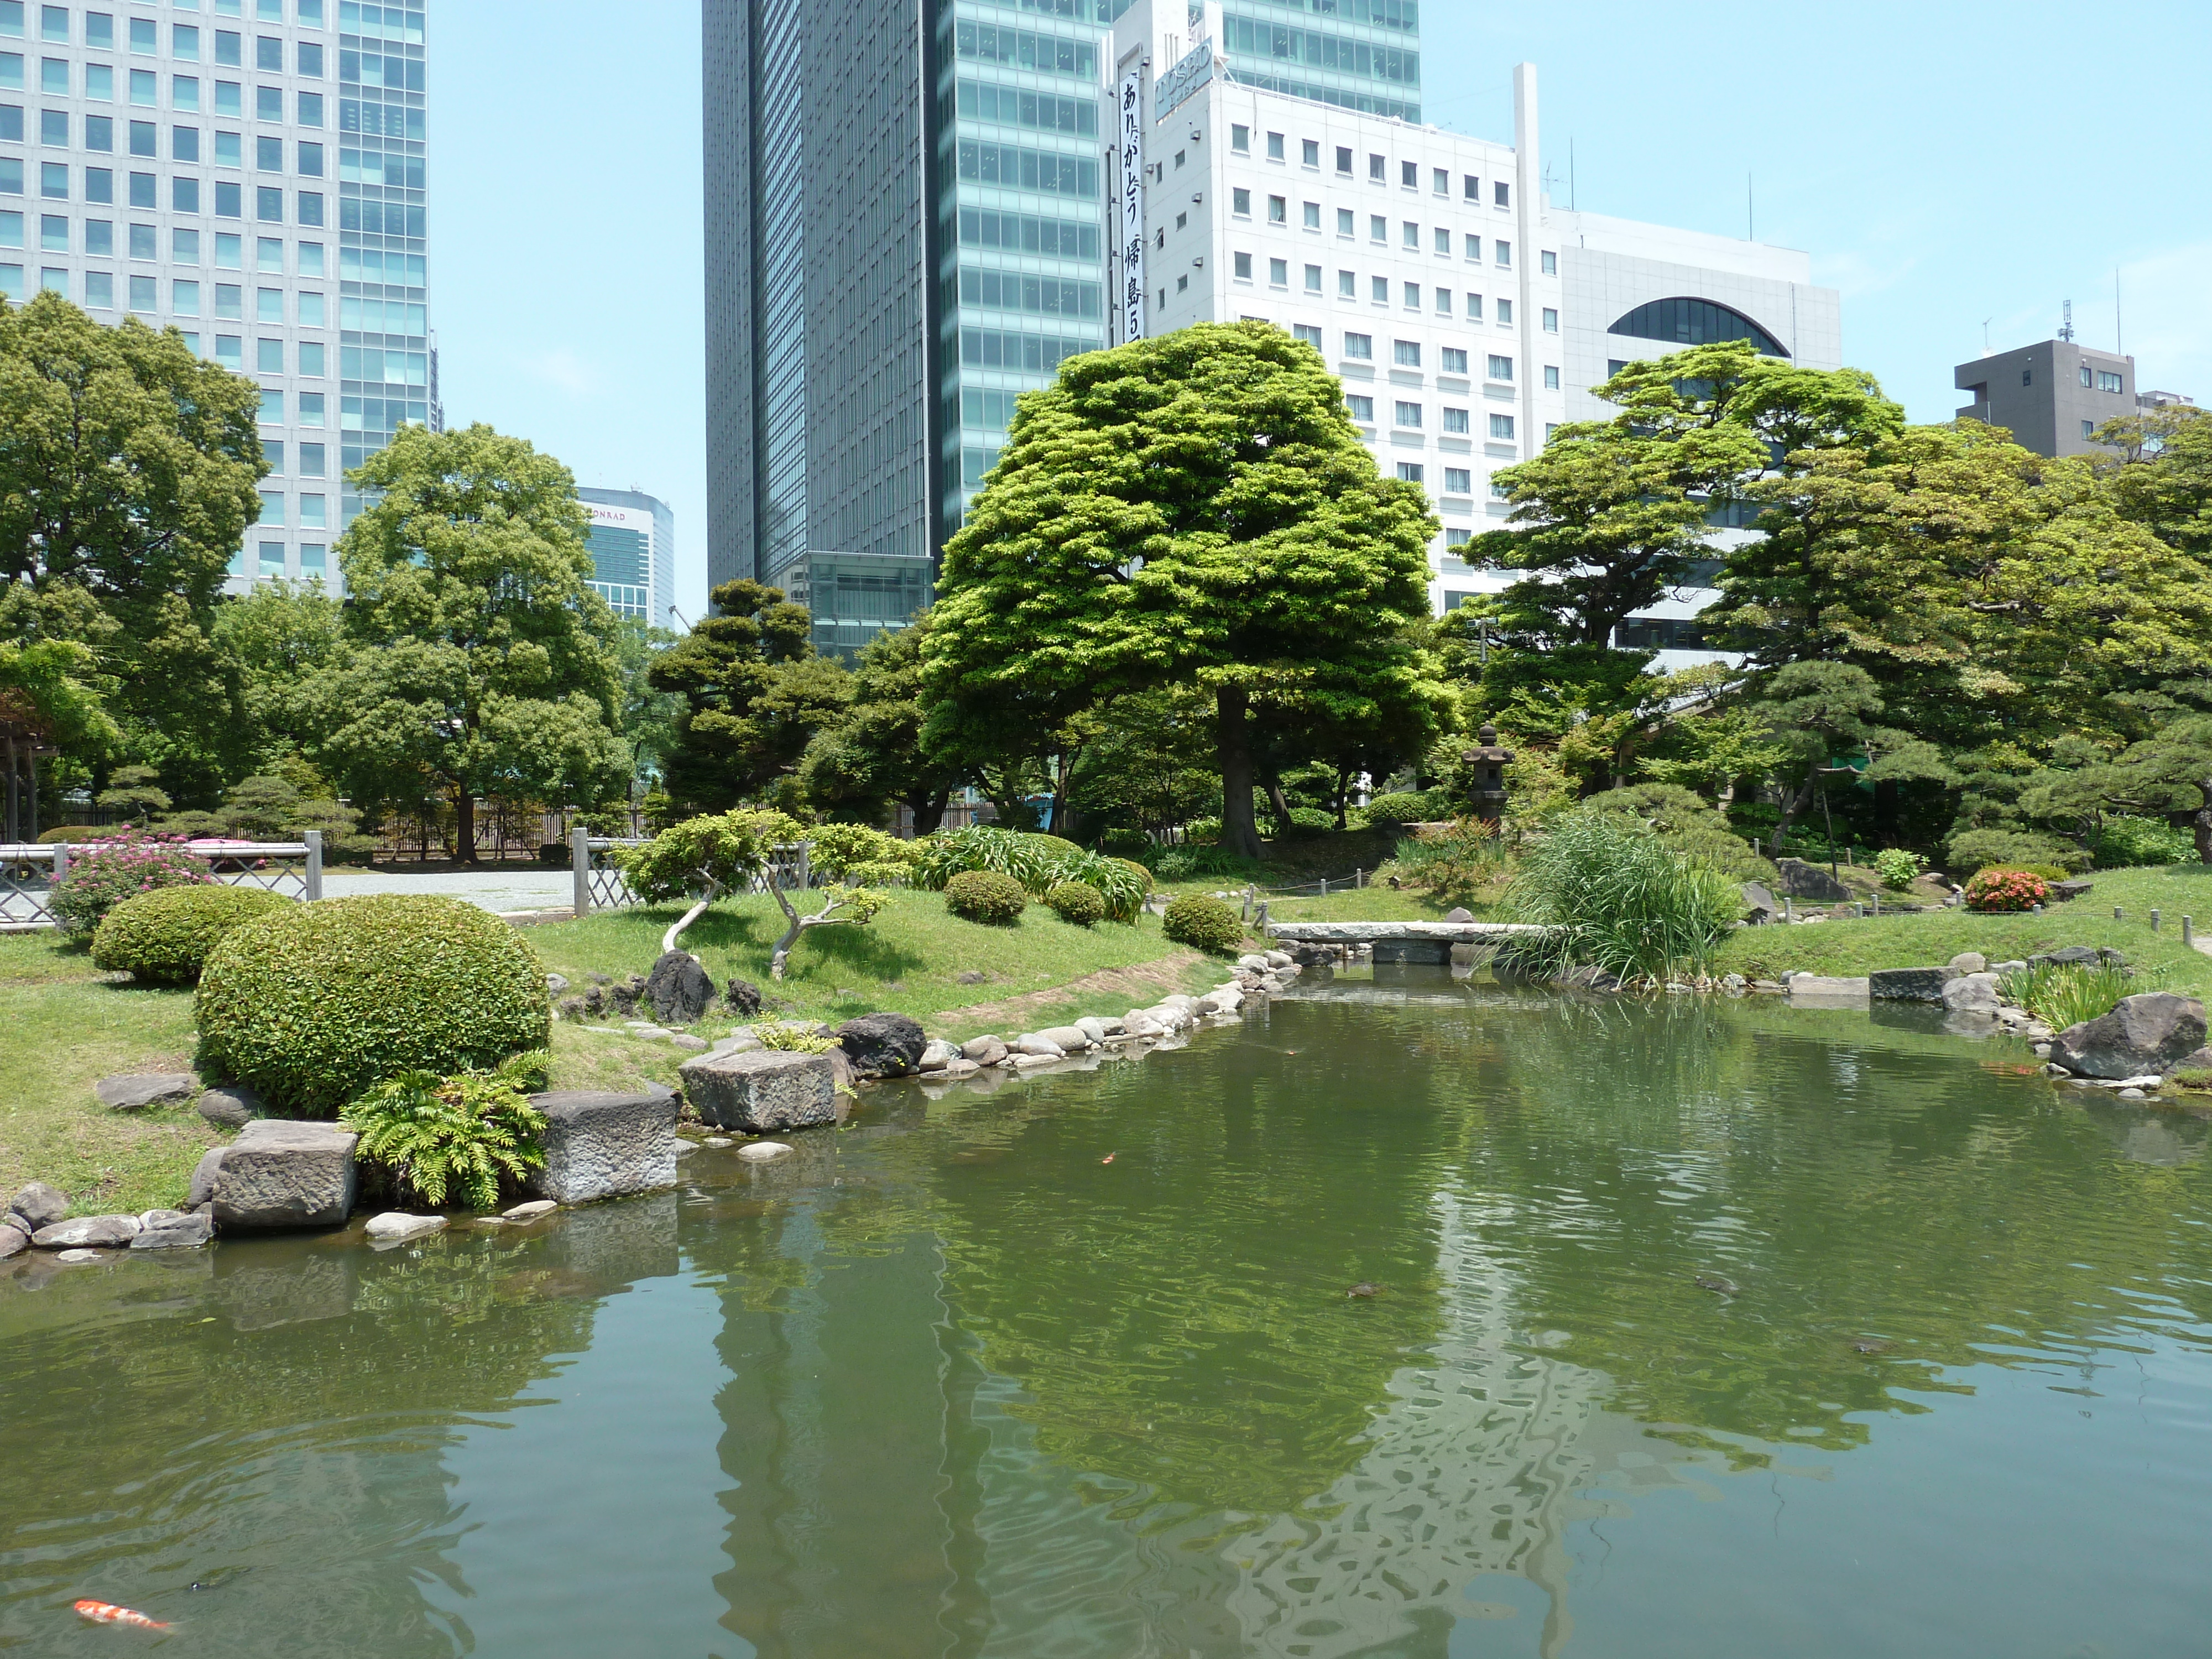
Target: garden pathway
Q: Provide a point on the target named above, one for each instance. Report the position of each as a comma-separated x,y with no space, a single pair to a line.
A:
495,889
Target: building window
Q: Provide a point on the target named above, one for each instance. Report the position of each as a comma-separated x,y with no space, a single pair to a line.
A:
1279,211
1443,241
1375,165
1358,345
1274,147
1406,354
100,237
1550,426
53,233
1344,223
1452,360
1501,193
1313,216
2086,378
1412,296
1279,273
142,291
1440,180
2107,382
311,513
1474,249
184,296
53,181
268,204
1409,174
311,408
1444,302
1505,312
1455,420
1551,320
1344,160
268,356
1474,307
1240,202
1362,408
1313,279
1681,320
1409,233
1408,415
268,304
269,53
310,351
311,460
1183,283
268,155
183,143
1551,376
99,290
1471,187
1500,369
229,301
311,109
1347,285
1378,289
312,564
2088,428
185,195
1458,481
1306,335
99,185
1378,228
1502,251
1409,471
2027,377
1240,140
1549,262
272,512
1501,426
1309,151
1242,265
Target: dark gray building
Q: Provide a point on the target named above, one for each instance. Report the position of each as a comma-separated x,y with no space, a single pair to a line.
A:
2050,395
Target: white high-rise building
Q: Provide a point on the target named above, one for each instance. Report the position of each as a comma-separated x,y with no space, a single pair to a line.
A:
633,542
1467,316
250,173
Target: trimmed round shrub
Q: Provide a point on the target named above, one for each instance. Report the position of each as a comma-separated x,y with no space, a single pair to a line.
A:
985,895
1122,893
1204,922
75,833
163,938
1406,806
1053,847
104,874
2010,849
1310,821
2005,889
314,1006
1073,901
1124,842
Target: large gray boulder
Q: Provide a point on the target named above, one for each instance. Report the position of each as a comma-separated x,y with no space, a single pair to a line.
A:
883,1045
602,1145
770,1089
204,1177
88,1232
39,1206
984,1050
1909,984
283,1174
233,1106
679,988
1808,881
1972,994
175,1232
2153,1031
1069,1039
135,1091
13,1241
1760,907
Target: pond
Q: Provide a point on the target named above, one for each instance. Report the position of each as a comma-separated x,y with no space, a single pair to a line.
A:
1070,1369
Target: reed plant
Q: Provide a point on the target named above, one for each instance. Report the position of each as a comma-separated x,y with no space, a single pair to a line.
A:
1618,898
2063,993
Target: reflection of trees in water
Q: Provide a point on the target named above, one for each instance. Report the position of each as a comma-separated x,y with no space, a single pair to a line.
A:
284,1437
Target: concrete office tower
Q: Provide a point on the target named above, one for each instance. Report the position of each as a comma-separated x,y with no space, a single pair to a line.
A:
249,172
904,231
633,542
1466,313
2052,396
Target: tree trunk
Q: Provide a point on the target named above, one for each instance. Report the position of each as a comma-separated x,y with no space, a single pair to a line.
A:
1273,783
1791,807
928,812
465,826
1343,794
2204,825
1233,738
1888,810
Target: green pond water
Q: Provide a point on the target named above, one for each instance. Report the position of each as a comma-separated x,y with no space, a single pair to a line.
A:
951,1382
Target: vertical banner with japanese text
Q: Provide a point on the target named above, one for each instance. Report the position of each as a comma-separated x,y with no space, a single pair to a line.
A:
1133,202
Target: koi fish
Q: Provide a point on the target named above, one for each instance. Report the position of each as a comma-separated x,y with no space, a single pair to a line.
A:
106,1612
1108,1158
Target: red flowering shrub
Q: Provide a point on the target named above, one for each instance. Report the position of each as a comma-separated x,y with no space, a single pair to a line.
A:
105,872
2005,889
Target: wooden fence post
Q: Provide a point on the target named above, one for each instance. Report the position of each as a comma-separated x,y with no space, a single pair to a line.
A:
580,862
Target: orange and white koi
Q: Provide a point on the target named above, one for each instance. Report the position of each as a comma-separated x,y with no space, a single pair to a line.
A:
106,1612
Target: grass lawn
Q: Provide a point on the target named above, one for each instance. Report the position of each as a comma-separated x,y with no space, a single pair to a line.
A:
1855,947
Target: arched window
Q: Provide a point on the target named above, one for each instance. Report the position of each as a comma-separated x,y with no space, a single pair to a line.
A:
1683,321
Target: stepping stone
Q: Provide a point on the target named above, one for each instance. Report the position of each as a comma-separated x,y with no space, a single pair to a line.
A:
135,1091
531,1211
760,1151
395,1226
600,1144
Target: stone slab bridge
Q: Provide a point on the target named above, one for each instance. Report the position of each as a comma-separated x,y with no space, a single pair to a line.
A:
1428,942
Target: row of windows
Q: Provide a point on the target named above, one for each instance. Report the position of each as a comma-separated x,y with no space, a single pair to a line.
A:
1015,106
98,186
1378,230
1407,416
382,120
1026,234
312,514
1458,480
1410,295
369,68
381,22
988,348
1316,49
100,25
380,218
2104,380
313,458
143,89
996,44
1029,169
1378,167
143,240
227,50
1050,296
143,138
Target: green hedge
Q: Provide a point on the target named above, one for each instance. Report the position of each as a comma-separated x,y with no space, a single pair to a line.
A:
985,895
1207,923
1076,902
163,938
314,1006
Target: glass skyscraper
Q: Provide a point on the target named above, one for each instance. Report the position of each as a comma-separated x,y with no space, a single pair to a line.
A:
633,542
249,172
1357,54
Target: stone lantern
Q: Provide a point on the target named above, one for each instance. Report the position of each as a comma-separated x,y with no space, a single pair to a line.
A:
1486,774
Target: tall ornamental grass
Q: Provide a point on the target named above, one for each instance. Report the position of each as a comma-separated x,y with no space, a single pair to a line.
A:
2063,993
1618,898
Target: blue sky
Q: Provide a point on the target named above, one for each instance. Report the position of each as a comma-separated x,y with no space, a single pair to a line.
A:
1943,163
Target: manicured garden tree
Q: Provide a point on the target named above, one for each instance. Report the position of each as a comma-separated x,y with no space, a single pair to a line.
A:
1198,509
474,650
754,695
714,856
871,758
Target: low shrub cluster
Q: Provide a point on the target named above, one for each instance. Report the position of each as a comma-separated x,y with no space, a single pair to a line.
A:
2063,993
1075,901
1996,890
985,895
793,1037
1898,868
1406,806
474,1130
1460,863
163,938
1205,923
316,1005
128,863
2125,841
1125,844
859,856
1974,850
1035,864
1619,898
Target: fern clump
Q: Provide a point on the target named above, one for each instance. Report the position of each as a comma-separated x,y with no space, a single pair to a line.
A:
470,1131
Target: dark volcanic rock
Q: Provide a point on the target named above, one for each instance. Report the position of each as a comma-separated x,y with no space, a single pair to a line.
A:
679,988
1910,984
743,997
2153,1031
883,1045
1808,881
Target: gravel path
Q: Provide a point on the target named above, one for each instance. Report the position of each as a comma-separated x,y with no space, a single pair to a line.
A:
494,890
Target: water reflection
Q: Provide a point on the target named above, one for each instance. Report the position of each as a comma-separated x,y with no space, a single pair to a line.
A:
950,1382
